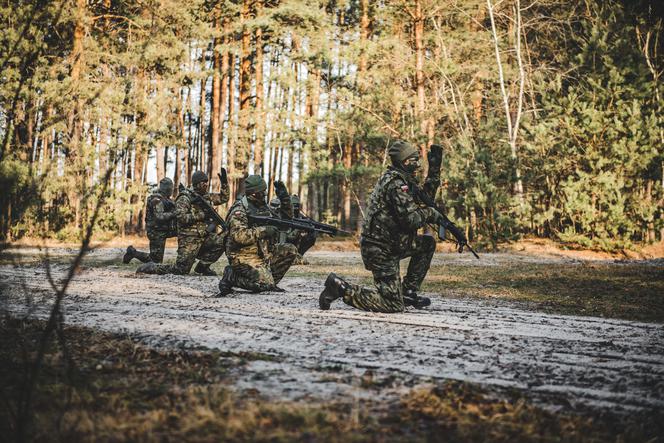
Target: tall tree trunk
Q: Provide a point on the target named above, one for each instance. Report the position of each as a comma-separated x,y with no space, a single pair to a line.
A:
75,116
418,29
215,148
202,163
232,130
244,148
260,112
223,94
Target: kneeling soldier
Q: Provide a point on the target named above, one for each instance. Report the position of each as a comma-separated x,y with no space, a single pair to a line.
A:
302,240
160,224
197,236
389,234
257,261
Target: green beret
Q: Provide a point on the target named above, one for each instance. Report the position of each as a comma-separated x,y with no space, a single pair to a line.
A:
401,150
254,183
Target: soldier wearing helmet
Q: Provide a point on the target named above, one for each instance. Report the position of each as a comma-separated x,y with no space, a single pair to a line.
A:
389,234
198,238
160,224
257,260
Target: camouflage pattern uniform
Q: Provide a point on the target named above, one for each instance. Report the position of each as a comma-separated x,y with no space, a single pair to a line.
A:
195,241
160,220
257,264
302,240
389,234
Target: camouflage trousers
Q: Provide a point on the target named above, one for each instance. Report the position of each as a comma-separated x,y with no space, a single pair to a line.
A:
387,295
157,247
257,274
304,241
207,250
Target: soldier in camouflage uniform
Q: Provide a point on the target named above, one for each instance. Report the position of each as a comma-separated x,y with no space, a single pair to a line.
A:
389,234
303,240
160,224
257,261
198,238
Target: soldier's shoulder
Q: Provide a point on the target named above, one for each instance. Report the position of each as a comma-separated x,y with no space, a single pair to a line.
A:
184,193
392,178
238,208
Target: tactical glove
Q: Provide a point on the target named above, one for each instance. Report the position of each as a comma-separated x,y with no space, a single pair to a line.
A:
223,177
268,232
435,159
458,235
433,216
280,190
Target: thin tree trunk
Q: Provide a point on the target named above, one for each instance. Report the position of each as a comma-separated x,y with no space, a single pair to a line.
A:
260,112
232,130
215,149
244,148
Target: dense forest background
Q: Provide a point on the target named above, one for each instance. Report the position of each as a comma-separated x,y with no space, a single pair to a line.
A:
550,111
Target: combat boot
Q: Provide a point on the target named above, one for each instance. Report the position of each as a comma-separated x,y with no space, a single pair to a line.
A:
226,282
335,288
410,298
131,251
204,269
147,268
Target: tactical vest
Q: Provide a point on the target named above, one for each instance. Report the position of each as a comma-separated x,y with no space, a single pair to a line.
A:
151,221
381,226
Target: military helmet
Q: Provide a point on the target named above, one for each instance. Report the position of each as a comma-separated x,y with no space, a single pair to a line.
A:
253,184
295,200
166,186
275,203
401,150
198,177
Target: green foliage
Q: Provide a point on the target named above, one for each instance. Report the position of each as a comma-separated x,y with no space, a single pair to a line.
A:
597,141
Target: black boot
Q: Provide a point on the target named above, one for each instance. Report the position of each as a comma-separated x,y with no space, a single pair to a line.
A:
204,269
410,298
335,288
129,254
226,282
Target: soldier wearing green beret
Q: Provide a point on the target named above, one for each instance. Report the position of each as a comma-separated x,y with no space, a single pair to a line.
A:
389,234
160,224
197,237
257,260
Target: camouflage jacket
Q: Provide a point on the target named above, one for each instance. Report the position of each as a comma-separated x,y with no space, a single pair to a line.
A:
191,215
160,216
243,238
394,214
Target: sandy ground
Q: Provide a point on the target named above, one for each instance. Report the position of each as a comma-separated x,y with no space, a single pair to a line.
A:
348,355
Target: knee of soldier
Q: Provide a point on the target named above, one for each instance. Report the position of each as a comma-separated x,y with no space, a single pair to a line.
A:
289,249
428,243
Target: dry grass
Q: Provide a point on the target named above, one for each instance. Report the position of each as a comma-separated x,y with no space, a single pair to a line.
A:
122,391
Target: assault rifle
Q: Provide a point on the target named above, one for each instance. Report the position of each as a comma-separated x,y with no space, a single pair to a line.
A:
210,212
324,228
445,223
295,223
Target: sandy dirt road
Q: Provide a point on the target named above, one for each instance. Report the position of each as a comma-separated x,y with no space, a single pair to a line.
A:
558,361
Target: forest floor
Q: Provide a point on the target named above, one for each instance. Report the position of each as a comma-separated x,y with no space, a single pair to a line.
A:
516,346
